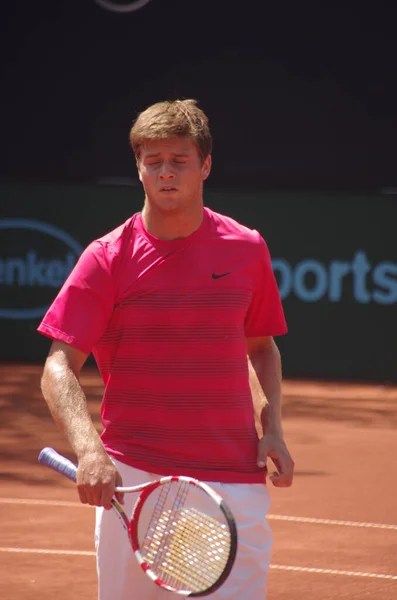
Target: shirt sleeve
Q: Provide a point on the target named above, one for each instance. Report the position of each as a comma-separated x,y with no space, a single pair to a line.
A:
265,315
81,311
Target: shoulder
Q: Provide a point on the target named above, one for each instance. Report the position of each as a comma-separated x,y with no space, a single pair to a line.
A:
226,227
103,255
115,238
112,243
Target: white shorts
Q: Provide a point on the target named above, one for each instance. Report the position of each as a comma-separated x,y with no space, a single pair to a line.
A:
121,578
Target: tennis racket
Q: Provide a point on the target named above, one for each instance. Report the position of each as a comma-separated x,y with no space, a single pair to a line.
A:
181,531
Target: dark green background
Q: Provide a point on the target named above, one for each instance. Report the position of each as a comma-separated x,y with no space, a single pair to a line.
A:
344,340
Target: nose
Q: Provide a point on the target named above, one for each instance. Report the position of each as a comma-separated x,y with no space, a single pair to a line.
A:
166,171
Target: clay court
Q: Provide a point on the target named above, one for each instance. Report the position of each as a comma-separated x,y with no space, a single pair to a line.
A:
335,529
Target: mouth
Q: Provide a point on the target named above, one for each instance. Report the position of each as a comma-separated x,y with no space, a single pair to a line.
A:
168,188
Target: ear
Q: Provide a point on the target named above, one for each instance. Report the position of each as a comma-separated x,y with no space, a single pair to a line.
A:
139,171
206,168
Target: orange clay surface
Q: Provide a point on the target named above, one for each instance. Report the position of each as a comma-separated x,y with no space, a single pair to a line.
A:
335,529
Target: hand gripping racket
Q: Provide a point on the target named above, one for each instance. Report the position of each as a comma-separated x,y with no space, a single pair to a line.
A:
181,531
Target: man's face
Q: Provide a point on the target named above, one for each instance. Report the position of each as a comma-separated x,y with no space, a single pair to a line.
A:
172,173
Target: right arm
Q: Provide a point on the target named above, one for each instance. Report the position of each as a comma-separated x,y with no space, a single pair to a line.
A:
97,476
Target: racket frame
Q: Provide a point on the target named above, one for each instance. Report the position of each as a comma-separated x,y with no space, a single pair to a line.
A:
51,458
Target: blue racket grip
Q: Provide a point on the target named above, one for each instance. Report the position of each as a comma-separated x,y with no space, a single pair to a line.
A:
51,458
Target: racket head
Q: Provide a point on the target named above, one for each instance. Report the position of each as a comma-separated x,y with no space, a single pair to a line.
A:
184,536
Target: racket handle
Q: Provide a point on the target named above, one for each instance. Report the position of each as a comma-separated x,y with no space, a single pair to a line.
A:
51,458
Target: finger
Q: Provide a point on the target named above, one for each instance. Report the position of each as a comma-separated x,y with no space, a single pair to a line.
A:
119,483
87,492
262,456
81,489
107,492
86,495
281,480
283,463
285,472
93,494
278,463
82,494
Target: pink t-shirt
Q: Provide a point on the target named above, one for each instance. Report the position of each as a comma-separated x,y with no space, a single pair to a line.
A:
167,323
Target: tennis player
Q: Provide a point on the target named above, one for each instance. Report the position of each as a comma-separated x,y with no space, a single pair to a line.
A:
180,307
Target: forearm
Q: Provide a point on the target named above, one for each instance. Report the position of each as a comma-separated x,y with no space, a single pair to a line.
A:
68,405
265,382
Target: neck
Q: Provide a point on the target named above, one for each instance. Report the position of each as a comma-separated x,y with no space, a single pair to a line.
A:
171,225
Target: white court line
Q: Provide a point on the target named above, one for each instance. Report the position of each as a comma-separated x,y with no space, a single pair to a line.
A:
331,522
333,572
34,502
270,516
276,567
46,551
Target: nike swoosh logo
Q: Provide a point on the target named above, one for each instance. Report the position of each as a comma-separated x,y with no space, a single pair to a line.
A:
218,276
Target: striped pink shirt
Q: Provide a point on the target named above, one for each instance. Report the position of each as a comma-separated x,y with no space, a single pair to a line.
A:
167,323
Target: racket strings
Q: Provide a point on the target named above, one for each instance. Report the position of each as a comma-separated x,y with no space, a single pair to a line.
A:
167,518
158,531
158,510
184,546
198,552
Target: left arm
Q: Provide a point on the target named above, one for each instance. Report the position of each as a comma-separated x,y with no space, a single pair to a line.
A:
265,376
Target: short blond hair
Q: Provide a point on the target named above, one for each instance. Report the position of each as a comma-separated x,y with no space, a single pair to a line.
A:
172,118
